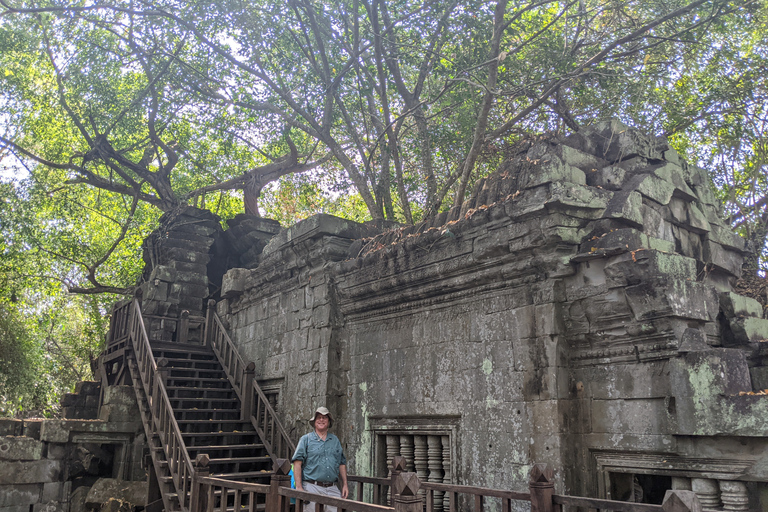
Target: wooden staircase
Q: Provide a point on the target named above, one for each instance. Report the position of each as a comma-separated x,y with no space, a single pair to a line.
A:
196,401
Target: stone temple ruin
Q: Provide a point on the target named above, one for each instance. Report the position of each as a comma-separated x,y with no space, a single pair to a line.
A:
578,310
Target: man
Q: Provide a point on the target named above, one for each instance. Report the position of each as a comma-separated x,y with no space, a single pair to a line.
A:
319,461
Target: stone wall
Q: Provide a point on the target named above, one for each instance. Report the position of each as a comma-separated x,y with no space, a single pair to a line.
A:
578,310
50,465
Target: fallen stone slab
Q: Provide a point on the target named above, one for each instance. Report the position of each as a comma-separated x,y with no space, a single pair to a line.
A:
108,488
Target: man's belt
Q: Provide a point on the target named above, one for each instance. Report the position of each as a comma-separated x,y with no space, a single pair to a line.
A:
321,484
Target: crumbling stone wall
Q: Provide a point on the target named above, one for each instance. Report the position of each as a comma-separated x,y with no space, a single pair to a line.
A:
578,310
51,464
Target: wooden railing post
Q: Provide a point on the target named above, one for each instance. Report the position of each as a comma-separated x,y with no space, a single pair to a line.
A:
398,466
681,501
280,478
247,409
542,487
209,323
197,498
163,370
405,488
182,336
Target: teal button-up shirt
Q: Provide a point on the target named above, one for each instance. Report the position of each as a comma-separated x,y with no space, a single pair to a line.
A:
320,459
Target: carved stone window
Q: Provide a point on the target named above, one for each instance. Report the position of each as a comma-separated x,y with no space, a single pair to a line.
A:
428,447
644,478
272,388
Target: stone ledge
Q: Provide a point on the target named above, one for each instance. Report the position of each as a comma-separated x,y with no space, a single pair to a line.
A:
59,431
319,225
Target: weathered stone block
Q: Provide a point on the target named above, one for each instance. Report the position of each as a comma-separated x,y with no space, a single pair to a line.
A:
552,171
56,491
749,329
51,506
88,387
616,141
722,259
612,177
163,273
726,237
106,488
655,225
735,305
577,196
20,448
183,290
77,499
15,508
619,241
696,220
56,451
626,206
39,471
234,281
706,375
657,189
155,292
58,431
72,400
641,416
32,428
19,494
10,427
678,298
673,173
119,404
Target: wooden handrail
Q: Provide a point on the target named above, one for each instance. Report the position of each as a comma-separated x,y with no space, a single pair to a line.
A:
483,491
357,506
617,506
163,418
226,352
119,323
255,405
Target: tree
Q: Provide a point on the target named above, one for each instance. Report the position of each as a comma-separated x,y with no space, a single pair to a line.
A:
387,89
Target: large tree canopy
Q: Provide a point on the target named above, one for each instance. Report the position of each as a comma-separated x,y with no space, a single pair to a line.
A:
114,111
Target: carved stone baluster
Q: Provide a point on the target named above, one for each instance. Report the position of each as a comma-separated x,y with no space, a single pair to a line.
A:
708,492
681,483
446,443
420,460
435,463
406,450
393,450
734,495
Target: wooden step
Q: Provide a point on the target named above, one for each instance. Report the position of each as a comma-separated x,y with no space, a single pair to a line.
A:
223,447
199,414
183,392
191,373
222,403
196,382
245,476
194,439
185,350
206,426
193,364
240,460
